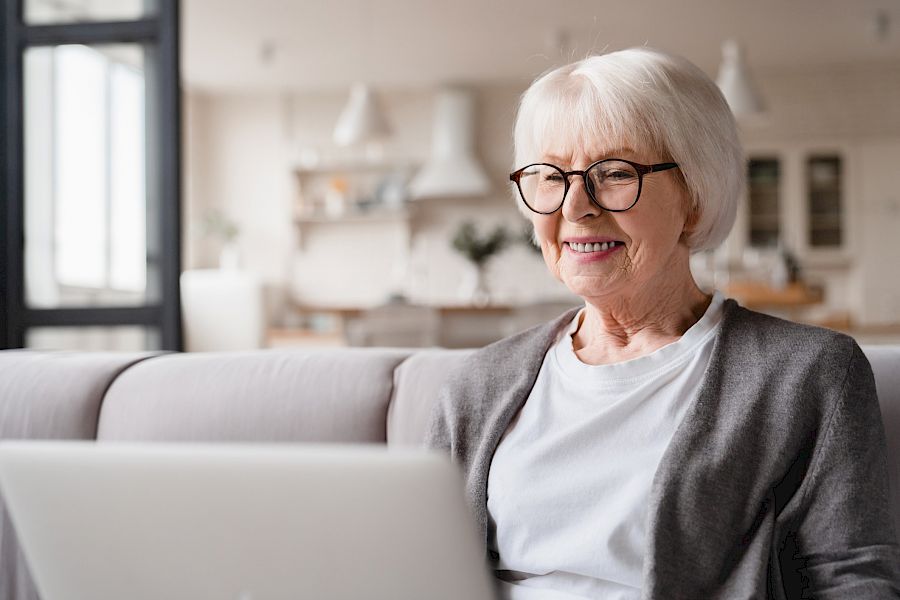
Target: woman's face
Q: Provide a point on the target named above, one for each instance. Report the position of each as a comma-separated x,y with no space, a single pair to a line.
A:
648,252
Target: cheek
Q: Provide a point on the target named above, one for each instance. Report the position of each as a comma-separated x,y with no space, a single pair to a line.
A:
658,227
545,230
651,243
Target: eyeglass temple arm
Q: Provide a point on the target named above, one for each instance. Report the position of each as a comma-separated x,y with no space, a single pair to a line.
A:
661,167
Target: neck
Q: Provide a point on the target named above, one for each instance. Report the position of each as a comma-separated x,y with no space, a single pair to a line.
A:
629,326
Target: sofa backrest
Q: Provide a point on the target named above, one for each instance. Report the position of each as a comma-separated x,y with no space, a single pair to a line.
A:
334,395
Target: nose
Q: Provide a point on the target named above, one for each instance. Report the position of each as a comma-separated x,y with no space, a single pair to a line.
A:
577,205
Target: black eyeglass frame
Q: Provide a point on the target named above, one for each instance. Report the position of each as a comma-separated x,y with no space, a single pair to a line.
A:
642,170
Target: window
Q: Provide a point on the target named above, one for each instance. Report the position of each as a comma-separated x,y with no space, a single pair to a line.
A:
86,230
90,180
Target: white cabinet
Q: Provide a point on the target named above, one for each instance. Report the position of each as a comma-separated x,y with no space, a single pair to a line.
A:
211,298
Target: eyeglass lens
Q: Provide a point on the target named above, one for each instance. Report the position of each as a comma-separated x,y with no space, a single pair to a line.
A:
613,184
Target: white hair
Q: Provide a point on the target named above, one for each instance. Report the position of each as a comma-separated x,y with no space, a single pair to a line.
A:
649,101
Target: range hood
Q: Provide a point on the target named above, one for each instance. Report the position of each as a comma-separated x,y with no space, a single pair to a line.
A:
452,170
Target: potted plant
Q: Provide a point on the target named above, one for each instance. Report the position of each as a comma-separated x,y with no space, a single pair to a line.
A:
217,225
478,250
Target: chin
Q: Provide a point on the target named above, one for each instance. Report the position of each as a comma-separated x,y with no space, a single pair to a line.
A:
597,286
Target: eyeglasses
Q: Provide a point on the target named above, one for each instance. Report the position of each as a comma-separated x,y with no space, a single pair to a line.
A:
612,184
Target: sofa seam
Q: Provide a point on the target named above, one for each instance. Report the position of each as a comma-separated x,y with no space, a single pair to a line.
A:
392,395
115,376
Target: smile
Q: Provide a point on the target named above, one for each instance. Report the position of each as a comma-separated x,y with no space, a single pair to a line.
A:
595,247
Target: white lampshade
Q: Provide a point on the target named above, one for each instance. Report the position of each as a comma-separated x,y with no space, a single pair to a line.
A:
362,120
736,84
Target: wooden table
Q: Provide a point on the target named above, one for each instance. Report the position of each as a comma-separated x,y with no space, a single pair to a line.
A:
459,325
760,295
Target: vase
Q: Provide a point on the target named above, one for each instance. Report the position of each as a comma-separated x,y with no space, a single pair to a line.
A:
229,257
473,288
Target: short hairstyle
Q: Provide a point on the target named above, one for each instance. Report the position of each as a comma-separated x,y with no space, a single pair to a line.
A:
650,101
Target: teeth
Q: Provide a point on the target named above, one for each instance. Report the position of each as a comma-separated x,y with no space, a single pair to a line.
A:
596,247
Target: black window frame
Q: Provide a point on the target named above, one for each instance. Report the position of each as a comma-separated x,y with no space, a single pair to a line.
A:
160,33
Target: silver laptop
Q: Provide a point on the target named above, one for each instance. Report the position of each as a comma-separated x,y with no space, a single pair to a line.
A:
107,521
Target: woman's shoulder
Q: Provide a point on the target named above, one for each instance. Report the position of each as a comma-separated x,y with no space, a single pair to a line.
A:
784,345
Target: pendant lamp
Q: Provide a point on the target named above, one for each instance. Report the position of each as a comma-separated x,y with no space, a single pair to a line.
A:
362,119
736,84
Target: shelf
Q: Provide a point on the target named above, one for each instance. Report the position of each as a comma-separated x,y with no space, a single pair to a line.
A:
353,191
355,217
359,166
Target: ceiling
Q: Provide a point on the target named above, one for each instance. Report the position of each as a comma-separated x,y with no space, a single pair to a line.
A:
327,44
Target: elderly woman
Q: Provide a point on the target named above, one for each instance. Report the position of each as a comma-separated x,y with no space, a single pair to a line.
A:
661,442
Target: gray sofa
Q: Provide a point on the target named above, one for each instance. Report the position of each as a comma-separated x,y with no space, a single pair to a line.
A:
341,395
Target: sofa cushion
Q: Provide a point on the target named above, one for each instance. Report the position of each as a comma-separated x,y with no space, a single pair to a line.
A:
56,394
416,385
315,395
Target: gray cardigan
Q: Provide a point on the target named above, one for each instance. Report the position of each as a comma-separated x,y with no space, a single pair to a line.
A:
773,486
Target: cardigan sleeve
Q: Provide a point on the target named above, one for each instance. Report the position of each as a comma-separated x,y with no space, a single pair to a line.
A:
437,433
845,538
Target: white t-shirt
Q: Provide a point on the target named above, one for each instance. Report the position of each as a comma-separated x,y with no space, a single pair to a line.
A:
569,483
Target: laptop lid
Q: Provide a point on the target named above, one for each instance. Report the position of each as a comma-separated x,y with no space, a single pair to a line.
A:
106,521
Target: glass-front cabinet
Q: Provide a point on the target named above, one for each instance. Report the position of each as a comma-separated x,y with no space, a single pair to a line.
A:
824,185
763,189
796,199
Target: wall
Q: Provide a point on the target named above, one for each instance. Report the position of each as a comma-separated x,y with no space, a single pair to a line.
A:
245,145
197,249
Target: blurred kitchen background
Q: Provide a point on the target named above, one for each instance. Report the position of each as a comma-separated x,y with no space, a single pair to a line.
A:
343,166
